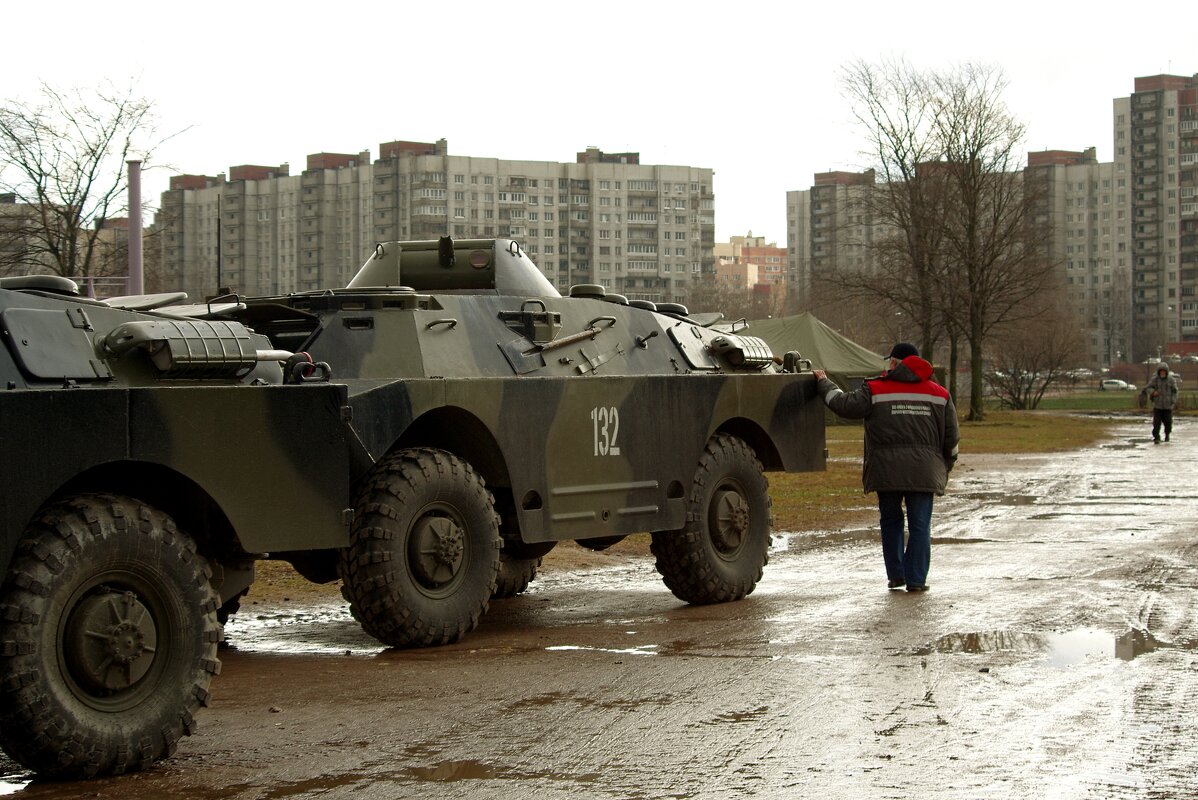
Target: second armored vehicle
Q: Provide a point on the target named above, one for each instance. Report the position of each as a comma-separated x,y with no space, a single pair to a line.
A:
425,435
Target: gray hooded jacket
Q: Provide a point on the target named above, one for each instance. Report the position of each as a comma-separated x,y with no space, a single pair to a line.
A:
1162,392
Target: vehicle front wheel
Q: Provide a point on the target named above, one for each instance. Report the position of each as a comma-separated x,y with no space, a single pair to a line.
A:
423,556
108,637
721,552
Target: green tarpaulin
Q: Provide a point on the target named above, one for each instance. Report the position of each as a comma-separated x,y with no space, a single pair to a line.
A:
843,359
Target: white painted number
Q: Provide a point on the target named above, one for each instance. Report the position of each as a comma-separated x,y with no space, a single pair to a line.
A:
605,425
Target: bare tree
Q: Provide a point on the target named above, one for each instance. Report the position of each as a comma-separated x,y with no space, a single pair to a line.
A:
710,294
955,248
992,248
1025,360
62,158
895,104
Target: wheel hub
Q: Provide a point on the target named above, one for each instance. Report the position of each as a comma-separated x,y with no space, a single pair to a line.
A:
438,548
730,520
110,640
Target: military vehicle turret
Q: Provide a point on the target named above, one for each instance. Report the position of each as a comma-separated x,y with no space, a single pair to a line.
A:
425,435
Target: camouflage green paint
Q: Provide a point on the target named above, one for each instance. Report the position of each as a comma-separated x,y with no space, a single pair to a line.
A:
595,432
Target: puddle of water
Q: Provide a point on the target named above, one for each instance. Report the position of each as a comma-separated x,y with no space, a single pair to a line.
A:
641,650
1060,649
1138,642
1001,498
734,717
302,630
12,783
469,770
992,642
454,771
1074,647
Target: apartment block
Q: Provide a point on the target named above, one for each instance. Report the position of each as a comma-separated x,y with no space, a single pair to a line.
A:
828,228
641,230
770,260
23,248
798,243
1156,150
751,260
1086,212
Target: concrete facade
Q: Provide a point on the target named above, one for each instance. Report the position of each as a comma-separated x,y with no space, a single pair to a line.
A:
767,259
828,228
1156,149
798,242
641,230
1124,232
1086,212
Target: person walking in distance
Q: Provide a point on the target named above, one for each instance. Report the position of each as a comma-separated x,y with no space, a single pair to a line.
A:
911,437
1162,391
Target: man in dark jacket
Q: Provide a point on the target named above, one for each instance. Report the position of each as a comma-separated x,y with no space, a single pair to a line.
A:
911,437
1162,391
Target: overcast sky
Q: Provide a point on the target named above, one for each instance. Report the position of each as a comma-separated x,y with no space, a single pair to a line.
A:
748,88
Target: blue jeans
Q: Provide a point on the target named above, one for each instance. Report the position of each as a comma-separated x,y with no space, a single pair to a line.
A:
908,564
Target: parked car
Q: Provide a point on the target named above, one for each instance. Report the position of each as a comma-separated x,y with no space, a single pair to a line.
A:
1115,383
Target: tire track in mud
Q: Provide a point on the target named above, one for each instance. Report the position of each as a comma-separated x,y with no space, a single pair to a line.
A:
1139,558
1161,759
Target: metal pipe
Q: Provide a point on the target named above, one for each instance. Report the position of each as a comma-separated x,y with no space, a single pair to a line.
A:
136,281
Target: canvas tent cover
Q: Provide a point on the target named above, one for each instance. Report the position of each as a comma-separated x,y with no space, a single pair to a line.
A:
843,359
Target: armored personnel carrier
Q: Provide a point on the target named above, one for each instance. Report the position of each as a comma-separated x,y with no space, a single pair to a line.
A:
424,435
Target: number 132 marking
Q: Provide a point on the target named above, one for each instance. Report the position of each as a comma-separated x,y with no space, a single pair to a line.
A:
605,426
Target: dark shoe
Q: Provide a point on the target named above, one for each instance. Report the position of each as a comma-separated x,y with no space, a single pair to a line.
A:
913,588
895,584
1155,440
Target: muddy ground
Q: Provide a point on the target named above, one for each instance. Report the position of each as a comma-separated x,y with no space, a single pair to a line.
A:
1056,656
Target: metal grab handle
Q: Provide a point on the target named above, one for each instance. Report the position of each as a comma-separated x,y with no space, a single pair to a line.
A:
317,372
541,303
452,323
590,332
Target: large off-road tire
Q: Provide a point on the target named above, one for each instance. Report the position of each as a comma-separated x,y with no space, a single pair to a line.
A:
424,550
514,575
719,555
108,638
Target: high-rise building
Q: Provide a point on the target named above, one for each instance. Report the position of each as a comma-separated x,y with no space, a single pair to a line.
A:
798,243
767,260
1156,150
1085,212
770,260
1125,233
637,229
836,232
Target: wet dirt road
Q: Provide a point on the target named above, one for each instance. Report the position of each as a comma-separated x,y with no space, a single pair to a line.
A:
1056,656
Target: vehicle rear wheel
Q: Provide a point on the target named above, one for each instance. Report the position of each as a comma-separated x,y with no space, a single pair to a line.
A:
514,575
423,556
721,552
108,637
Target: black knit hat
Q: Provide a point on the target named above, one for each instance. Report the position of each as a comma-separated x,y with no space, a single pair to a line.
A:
902,350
